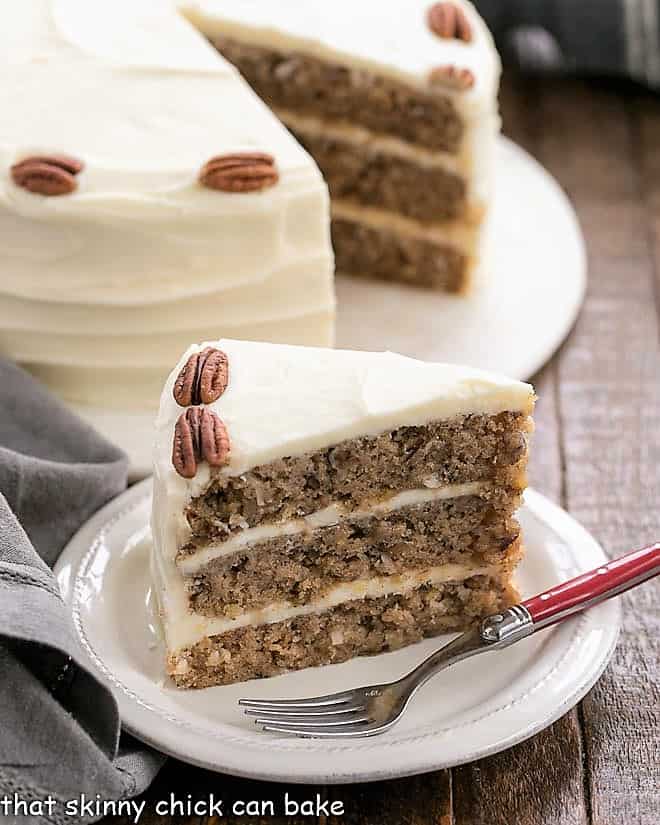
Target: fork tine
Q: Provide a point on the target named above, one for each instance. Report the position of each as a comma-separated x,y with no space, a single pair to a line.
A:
306,713
314,702
316,724
306,732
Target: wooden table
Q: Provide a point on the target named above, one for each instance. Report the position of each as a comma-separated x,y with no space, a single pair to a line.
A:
597,452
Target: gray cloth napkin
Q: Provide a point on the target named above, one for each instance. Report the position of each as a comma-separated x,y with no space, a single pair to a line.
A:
59,726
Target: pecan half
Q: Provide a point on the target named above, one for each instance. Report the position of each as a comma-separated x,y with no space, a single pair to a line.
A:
240,172
452,77
202,379
448,20
49,175
199,435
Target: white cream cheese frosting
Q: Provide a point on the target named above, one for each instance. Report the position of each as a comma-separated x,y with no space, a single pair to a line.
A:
284,400
139,96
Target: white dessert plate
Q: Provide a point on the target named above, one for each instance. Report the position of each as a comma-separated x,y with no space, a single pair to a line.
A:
512,323
477,708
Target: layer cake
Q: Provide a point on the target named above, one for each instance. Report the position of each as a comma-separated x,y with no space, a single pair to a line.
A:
148,198
312,505
397,103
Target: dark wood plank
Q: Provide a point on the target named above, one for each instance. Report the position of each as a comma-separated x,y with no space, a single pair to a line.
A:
418,800
538,782
609,404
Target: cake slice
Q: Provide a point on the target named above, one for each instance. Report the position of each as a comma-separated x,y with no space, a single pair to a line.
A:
311,505
397,103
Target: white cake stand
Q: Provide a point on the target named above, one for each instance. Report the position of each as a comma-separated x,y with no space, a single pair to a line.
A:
513,322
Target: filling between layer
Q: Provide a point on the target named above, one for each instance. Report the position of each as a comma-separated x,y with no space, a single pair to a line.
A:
299,568
190,563
366,589
355,628
366,174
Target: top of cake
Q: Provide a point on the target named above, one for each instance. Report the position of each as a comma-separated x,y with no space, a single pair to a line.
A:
283,400
395,40
140,99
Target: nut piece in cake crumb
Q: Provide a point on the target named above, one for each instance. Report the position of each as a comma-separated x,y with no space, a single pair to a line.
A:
337,637
218,657
182,667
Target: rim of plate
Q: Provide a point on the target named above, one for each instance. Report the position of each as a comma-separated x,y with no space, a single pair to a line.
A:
178,738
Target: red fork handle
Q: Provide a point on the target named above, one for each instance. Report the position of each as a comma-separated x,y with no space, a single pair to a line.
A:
594,587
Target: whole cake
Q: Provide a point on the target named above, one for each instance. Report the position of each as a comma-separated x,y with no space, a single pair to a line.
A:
148,198
397,102
311,505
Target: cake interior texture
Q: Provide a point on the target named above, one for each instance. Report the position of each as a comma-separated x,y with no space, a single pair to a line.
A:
355,628
364,546
400,158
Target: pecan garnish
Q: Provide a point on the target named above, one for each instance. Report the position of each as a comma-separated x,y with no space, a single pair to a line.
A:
47,174
202,379
448,20
240,172
199,435
452,77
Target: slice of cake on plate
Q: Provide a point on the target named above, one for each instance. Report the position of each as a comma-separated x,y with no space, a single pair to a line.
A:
311,505
397,102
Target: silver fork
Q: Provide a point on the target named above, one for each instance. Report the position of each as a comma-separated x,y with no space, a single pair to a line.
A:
368,711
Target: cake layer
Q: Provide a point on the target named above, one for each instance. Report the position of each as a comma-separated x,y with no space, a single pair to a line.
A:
157,349
199,552
82,379
357,136
355,473
310,85
365,173
471,532
132,258
354,628
375,252
293,291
